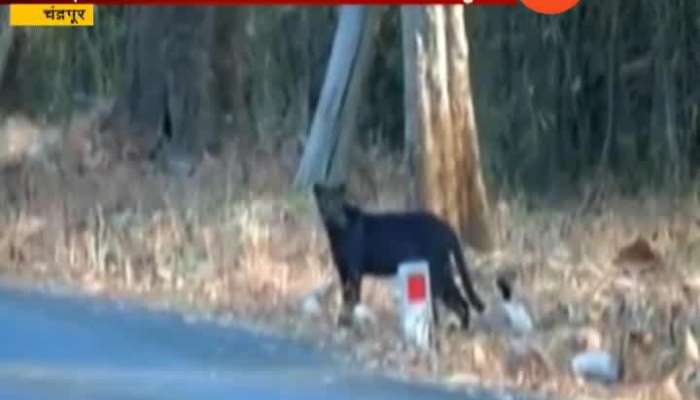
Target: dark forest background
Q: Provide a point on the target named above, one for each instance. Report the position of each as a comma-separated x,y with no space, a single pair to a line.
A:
607,90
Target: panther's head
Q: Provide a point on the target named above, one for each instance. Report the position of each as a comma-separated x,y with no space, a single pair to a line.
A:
330,200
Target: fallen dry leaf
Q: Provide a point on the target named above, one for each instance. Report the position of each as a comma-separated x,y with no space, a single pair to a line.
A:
638,255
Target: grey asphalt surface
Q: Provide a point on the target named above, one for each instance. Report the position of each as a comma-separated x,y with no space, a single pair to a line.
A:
69,347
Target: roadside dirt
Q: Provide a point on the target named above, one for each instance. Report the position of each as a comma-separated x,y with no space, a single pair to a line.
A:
236,242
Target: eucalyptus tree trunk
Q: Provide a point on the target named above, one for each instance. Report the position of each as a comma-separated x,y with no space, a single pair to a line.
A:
440,120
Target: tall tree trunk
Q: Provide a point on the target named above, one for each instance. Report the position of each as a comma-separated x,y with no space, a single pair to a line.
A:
6,39
449,178
469,183
332,129
609,152
11,43
165,104
408,25
232,66
668,85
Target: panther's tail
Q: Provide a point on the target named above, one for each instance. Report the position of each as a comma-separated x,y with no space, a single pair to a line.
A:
466,279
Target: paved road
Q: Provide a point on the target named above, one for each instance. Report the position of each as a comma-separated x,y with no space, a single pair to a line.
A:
62,347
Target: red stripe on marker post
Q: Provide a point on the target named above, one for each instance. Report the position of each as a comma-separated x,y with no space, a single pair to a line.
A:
416,288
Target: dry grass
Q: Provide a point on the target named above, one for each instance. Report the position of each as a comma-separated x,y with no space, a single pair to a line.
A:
236,239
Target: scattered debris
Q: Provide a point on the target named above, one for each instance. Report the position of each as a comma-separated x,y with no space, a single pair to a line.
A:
596,365
525,358
461,379
511,314
519,320
587,338
640,255
311,303
449,321
310,306
364,316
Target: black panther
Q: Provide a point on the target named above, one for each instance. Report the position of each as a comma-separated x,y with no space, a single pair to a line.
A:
375,244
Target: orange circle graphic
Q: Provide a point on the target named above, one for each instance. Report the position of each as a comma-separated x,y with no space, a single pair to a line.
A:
550,6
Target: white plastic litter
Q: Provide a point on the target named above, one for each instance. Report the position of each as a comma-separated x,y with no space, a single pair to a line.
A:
596,365
519,319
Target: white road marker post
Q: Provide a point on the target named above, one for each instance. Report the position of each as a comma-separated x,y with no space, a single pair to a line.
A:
416,302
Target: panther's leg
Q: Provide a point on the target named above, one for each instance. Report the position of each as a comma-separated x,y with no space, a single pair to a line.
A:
436,316
351,287
454,300
345,316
